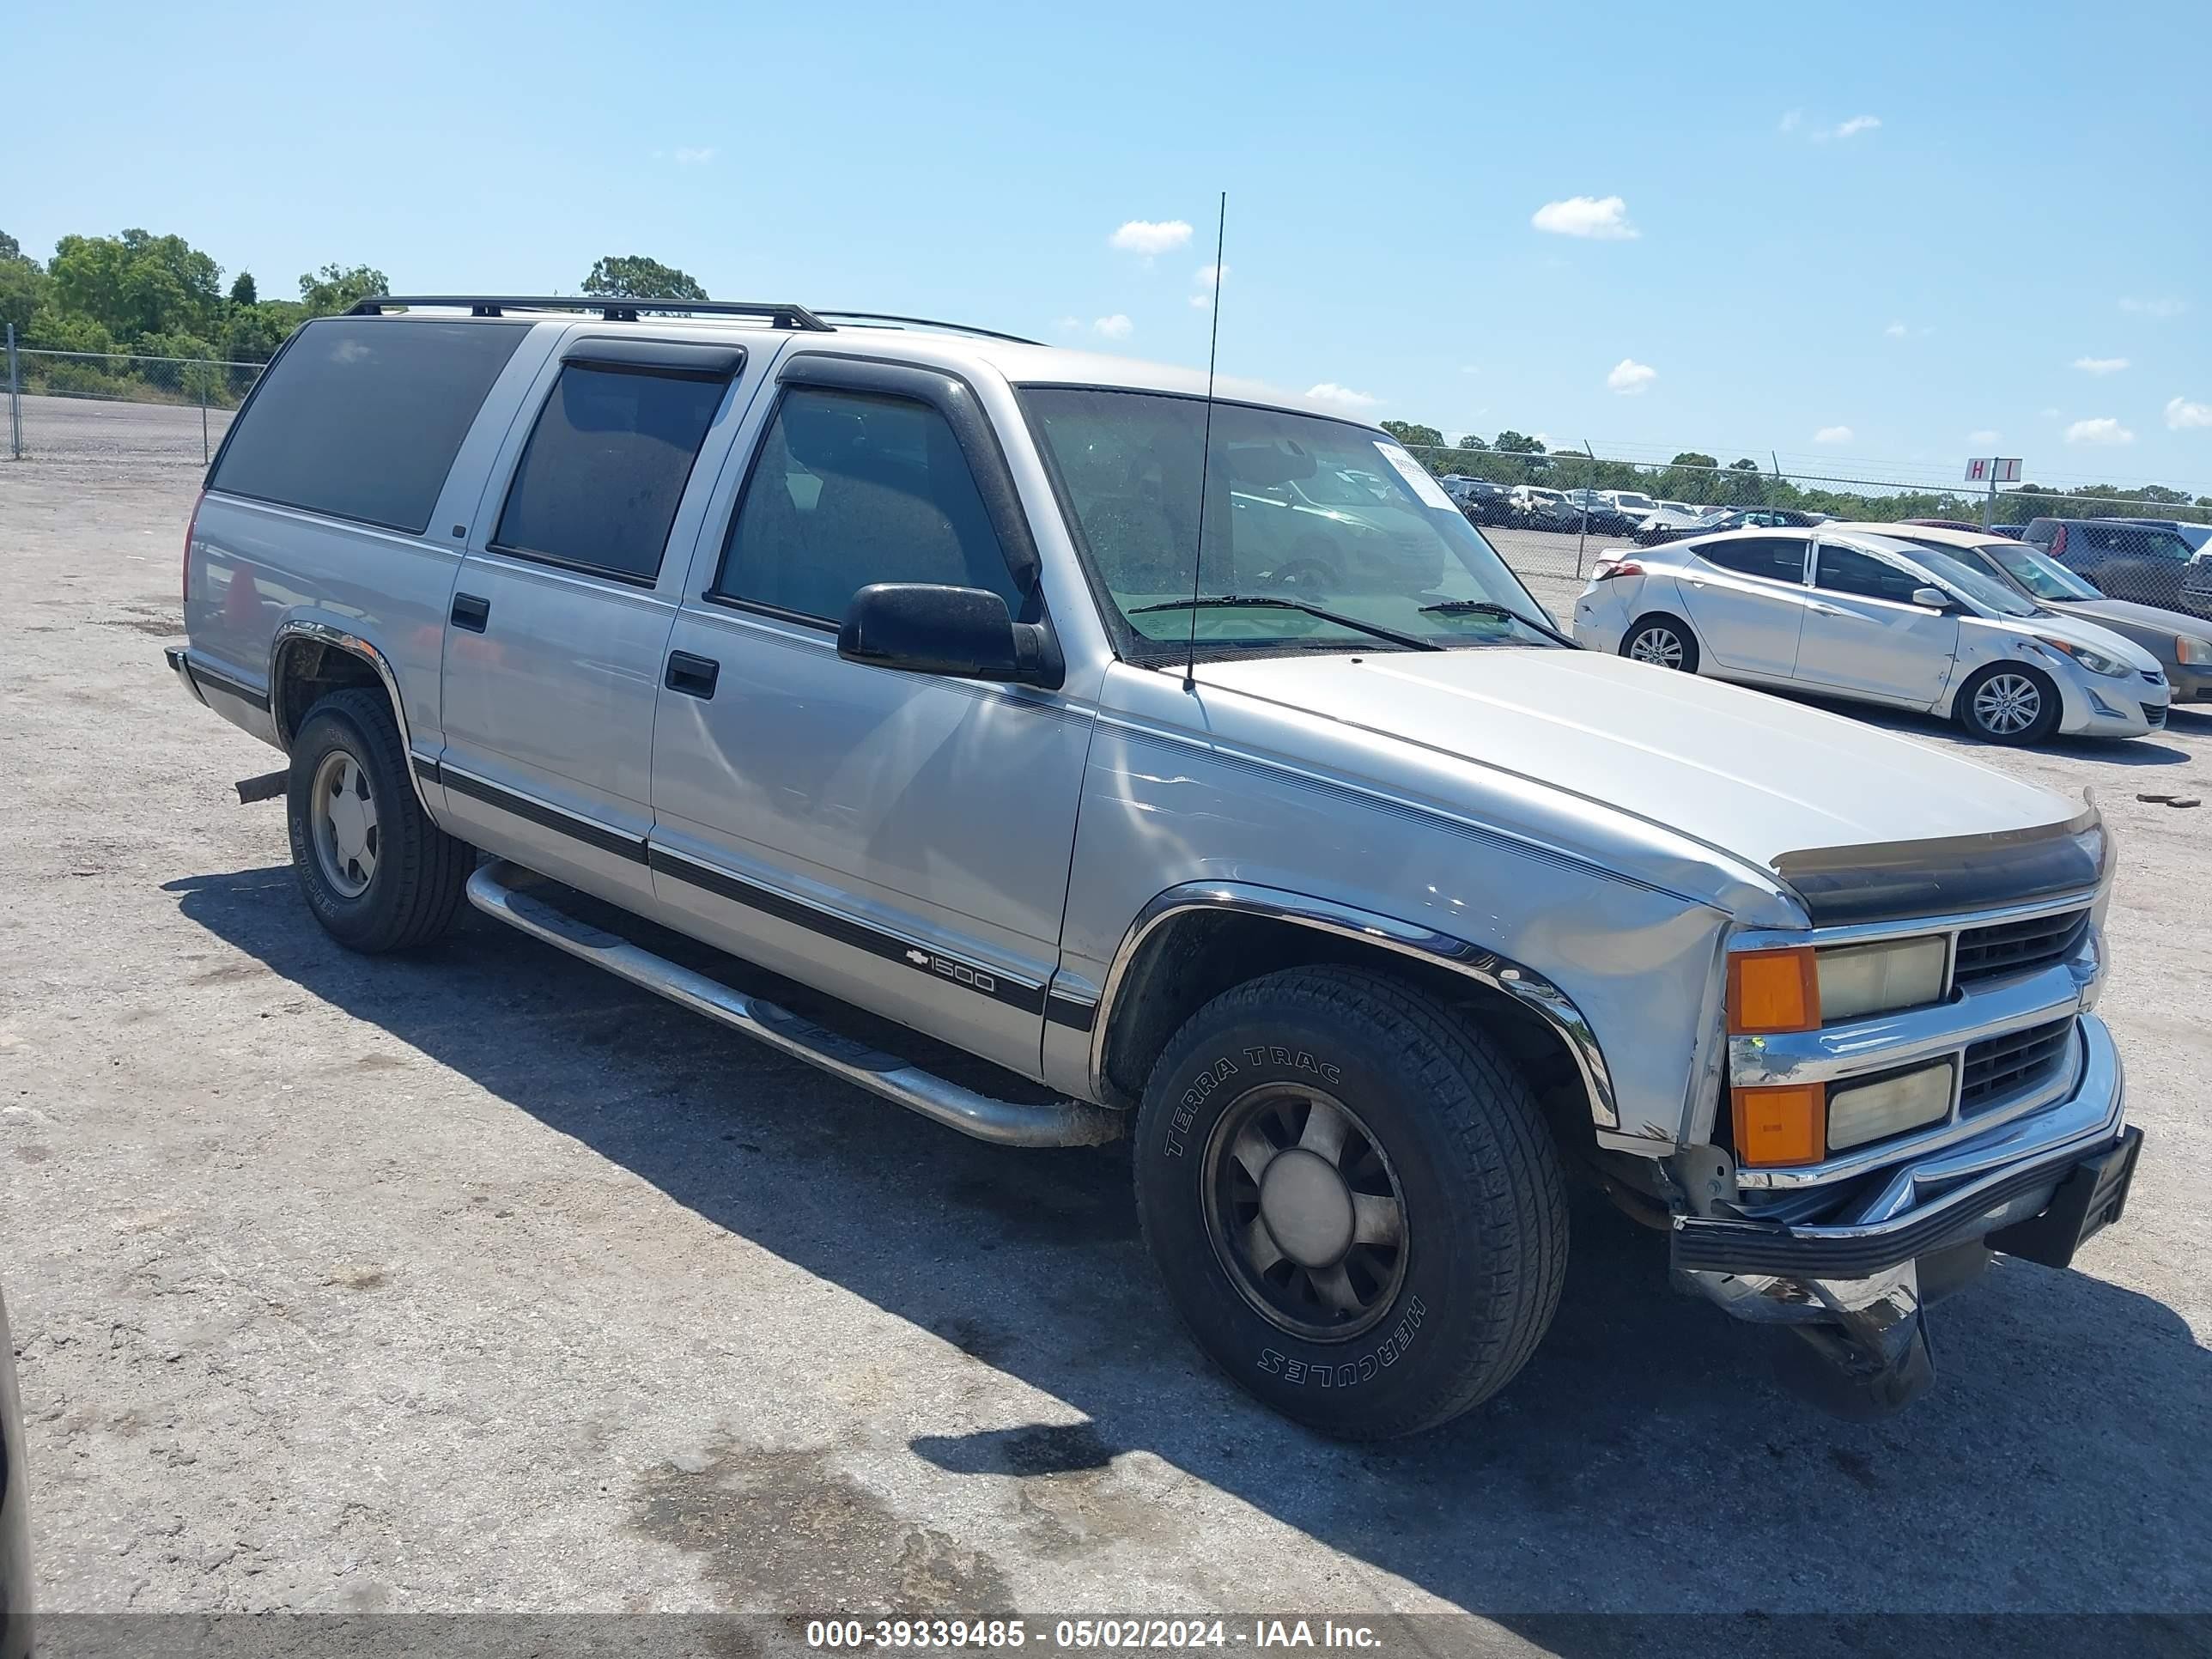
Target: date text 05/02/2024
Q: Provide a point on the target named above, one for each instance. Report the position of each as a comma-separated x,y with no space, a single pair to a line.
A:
1079,1634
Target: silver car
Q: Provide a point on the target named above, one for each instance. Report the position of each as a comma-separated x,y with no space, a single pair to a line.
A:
967,681
1870,617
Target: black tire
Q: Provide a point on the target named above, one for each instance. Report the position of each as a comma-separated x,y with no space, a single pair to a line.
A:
1658,625
1434,1106
413,888
1989,724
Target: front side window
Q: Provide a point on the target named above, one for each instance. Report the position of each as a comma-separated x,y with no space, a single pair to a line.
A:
852,488
1847,570
1318,532
1963,576
600,481
1776,558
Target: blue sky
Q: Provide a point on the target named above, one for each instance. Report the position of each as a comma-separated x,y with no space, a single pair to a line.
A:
1861,236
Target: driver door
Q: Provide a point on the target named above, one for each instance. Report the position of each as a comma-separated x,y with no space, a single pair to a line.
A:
1864,635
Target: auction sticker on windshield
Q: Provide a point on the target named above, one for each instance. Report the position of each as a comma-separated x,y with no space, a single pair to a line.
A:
1431,492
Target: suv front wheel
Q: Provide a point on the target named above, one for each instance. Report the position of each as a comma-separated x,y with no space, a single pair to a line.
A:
1354,1200
378,875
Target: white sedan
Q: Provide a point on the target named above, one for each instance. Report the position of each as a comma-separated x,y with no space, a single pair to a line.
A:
1864,617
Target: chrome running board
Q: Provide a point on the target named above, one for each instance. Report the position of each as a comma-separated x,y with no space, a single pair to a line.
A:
496,889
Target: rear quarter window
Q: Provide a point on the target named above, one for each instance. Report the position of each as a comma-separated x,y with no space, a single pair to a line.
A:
361,417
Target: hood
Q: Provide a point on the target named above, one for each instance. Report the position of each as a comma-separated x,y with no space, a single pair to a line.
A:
2120,615
2080,630
1753,774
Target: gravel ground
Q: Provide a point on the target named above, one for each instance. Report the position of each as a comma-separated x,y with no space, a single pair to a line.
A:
479,1280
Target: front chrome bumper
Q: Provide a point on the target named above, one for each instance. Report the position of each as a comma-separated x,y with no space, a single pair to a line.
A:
1955,1195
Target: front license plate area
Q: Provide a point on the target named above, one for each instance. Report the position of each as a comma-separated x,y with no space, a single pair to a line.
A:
2091,1199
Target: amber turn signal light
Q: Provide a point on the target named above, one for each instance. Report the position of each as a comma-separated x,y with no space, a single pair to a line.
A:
1786,1125
1773,991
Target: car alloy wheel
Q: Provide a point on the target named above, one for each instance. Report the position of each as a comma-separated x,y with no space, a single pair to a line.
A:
1660,646
1305,1211
2008,704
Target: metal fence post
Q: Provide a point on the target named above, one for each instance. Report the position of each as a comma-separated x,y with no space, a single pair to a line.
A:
204,437
15,400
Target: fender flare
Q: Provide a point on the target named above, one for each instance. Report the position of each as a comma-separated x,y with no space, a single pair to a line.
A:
295,630
1486,967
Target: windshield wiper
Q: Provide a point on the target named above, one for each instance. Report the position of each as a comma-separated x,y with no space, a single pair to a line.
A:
1410,642
1503,613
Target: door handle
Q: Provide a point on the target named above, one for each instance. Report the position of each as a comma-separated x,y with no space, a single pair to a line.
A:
470,612
694,677
1820,609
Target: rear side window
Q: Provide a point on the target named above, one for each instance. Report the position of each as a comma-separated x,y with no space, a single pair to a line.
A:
1846,570
852,488
1777,558
600,481
361,417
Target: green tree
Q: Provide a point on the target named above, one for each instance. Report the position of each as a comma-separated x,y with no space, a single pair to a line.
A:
24,291
137,283
633,276
1413,434
241,290
335,289
1472,440
1511,442
10,247
1692,458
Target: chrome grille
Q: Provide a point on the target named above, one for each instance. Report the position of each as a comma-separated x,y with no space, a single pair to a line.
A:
2000,1066
2015,947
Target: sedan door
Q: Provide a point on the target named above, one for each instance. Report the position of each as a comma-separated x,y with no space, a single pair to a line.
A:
1864,635
1745,596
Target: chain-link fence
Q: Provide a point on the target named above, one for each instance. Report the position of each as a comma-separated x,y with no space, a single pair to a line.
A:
1552,515
70,404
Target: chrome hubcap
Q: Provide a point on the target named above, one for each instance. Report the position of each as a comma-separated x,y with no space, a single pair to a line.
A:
1305,1211
1661,646
2008,703
343,815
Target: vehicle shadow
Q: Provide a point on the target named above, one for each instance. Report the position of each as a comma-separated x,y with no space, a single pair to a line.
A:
1643,1462
2118,752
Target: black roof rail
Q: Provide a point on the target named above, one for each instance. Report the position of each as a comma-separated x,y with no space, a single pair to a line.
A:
928,322
614,308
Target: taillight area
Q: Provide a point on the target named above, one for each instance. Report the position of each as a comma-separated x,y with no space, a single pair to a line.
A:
191,528
1605,569
2058,542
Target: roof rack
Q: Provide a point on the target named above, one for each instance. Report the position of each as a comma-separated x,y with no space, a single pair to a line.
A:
613,308
865,317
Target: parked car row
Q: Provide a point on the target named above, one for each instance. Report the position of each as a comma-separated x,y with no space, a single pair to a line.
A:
1962,624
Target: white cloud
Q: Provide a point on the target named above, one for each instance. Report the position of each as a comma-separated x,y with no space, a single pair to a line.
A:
2180,413
1116,327
1832,434
2100,364
1469,369
1896,331
1203,280
1070,325
1603,219
1144,236
692,157
2103,430
1985,436
1792,120
1630,377
1855,125
1342,396
2050,414
2154,307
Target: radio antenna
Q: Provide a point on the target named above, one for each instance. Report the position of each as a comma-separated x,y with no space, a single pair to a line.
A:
1206,452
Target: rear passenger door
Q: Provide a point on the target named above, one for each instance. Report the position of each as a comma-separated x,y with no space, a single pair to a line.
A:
560,617
898,840
1863,634
1746,597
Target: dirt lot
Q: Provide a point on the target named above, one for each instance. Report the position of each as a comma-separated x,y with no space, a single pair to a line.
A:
479,1280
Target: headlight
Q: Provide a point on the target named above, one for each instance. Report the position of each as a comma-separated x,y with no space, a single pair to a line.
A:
2192,651
2095,661
1872,979
1874,1111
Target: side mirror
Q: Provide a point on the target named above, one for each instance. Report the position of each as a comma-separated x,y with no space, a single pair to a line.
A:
1933,598
927,629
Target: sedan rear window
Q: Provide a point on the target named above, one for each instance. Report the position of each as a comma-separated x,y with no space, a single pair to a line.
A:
1777,558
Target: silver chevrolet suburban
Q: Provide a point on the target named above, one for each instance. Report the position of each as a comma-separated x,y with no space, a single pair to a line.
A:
1194,757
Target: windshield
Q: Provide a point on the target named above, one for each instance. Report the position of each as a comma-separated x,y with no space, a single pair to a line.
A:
1630,498
1320,515
2044,577
1978,585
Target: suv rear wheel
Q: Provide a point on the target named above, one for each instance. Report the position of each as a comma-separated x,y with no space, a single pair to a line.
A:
378,875
1353,1200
